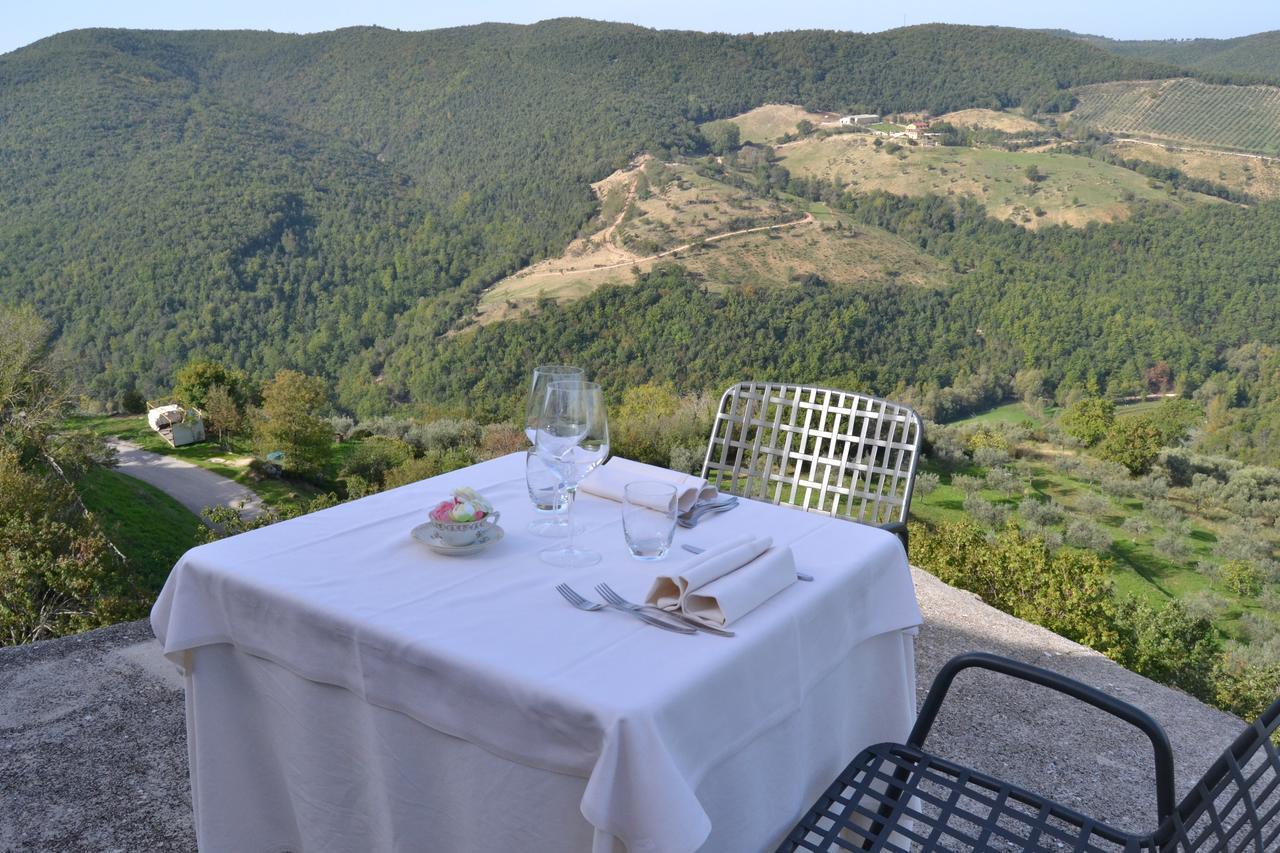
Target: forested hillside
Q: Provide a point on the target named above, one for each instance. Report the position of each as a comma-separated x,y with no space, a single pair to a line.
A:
1090,308
308,201
1256,55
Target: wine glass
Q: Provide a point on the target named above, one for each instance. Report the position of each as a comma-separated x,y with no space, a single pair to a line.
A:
572,438
544,375
544,484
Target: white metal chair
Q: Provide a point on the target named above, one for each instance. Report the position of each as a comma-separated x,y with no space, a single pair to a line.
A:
831,452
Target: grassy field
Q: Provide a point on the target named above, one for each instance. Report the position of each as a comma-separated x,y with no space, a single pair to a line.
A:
1258,177
993,119
1009,413
1074,190
770,122
831,246
149,527
231,463
690,208
1244,118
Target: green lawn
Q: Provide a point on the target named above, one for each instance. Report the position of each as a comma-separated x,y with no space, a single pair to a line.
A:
149,527
230,462
1010,413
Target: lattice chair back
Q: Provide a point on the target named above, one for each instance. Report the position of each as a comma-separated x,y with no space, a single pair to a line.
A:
1235,808
831,452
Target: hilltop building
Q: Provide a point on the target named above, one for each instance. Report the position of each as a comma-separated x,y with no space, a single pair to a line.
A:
860,118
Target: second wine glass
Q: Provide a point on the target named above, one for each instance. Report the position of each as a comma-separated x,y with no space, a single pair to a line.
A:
572,439
544,486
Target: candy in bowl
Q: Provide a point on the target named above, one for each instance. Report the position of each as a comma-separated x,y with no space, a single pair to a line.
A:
464,519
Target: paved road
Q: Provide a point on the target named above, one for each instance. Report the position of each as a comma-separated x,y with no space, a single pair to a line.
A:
190,485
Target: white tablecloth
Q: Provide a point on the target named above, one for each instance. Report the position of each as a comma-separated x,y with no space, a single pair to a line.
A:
350,690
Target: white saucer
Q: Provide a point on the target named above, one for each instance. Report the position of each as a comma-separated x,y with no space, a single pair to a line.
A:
426,534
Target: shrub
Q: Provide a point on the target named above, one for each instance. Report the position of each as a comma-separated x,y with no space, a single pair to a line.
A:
1150,487
58,574
1167,644
1242,578
688,460
444,434
1206,604
223,521
1083,533
501,439
1004,480
1052,537
374,457
926,483
430,464
387,427
968,484
1093,504
990,457
1040,512
341,426
132,402
289,421
1175,418
1135,526
986,438
1088,420
985,512
1172,546
1164,512
1134,442
1066,591
945,445
1245,689
653,420
1118,487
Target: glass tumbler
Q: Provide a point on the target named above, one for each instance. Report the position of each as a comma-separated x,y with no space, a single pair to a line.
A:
547,497
649,518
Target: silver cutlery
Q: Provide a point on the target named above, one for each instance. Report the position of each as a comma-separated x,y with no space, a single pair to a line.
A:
571,596
694,549
701,511
607,593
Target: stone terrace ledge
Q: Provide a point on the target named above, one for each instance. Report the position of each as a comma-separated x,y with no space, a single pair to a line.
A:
93,749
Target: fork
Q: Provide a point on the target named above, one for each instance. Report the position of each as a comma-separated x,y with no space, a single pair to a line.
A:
694,549
608,594
570,595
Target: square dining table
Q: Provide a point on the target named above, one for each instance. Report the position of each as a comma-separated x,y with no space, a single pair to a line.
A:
348,689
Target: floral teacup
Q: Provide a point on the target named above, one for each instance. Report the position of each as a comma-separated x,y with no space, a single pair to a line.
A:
459,534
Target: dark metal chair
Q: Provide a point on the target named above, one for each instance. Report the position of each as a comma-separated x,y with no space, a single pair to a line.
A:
900,799
832,452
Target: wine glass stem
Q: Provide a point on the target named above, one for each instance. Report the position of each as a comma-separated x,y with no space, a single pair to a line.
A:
569,494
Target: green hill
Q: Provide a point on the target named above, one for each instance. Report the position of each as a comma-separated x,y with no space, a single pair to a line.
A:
306,201
1256,55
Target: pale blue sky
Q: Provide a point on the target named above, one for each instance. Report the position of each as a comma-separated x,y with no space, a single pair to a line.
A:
25,21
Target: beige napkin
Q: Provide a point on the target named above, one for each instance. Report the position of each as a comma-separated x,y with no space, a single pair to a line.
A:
611,478
728,582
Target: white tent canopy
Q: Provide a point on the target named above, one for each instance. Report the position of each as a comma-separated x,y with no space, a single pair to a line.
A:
177,425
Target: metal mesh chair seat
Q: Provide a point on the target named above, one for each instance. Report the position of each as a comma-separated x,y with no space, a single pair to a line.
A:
901,799
831,452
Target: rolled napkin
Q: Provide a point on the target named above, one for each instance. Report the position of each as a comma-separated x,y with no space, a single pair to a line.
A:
728,582
609,480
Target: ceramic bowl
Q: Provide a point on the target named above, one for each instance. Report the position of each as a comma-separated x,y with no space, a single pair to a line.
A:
462,533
